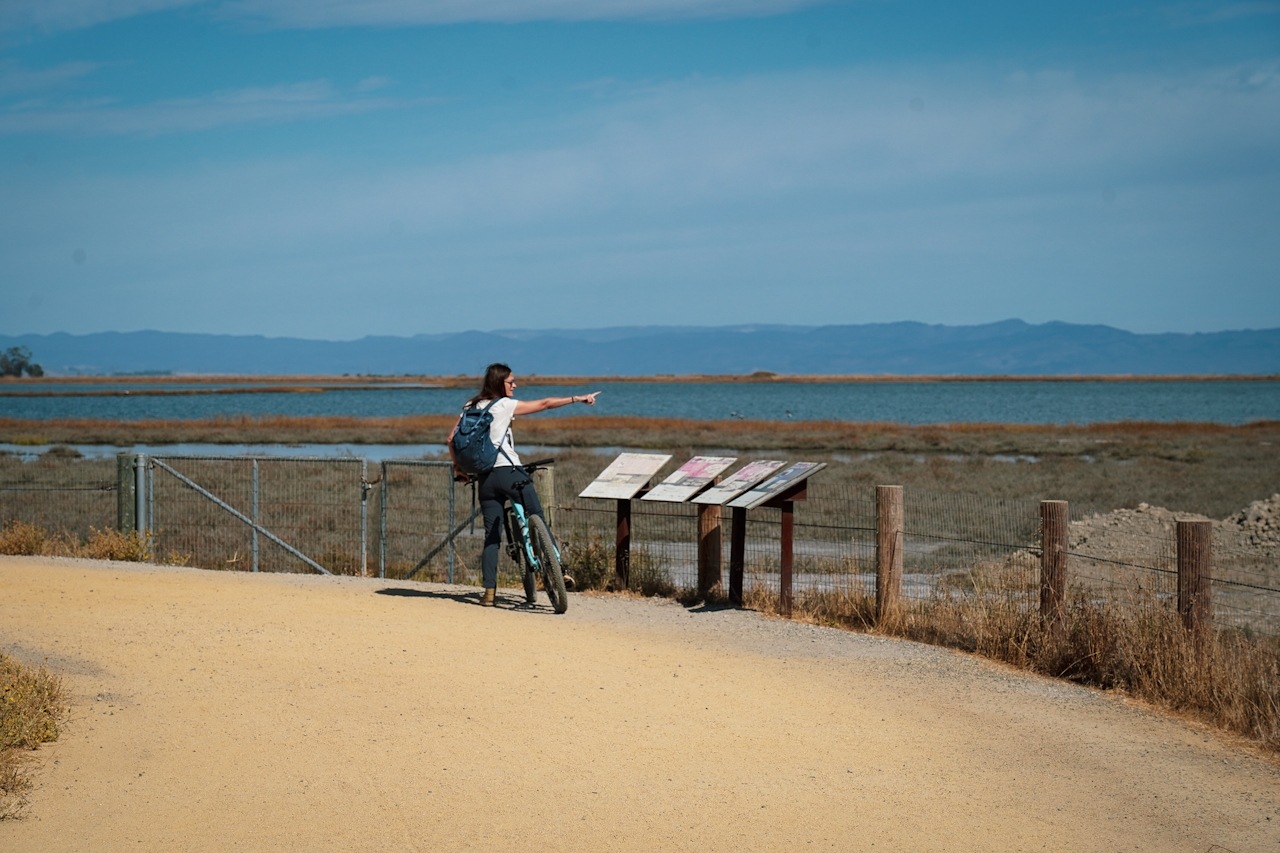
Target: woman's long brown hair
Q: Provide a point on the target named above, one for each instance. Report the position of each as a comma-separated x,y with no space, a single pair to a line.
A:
494,386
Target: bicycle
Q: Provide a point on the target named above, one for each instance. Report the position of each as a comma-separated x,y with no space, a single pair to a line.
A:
535,550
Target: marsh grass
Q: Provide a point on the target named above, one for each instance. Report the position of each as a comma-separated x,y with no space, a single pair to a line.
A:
32,703
1137,646
1210,469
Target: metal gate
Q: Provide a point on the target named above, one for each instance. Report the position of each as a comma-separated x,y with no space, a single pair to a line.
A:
288,514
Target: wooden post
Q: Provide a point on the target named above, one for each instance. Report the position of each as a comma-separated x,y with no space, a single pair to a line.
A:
737,554
784,577
710,553
889,545
125,496
1195,561
1055,530
622,547
544,480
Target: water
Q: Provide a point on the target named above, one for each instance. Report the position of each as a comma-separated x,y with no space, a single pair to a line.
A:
897,402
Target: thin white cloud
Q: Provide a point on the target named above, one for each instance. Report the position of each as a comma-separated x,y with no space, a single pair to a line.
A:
330,13
1207,13
256,105
15,79
70,14
372,84
73,14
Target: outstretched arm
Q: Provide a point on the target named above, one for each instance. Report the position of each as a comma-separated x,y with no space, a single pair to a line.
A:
530,407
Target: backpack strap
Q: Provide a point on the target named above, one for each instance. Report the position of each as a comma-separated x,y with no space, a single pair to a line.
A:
483,411
502,449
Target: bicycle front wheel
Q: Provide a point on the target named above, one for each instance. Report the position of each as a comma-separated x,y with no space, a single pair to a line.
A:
552,574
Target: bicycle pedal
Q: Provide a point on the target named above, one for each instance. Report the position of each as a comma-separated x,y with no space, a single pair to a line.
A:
568,582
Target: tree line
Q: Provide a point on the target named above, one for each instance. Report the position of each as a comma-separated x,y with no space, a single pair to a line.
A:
16,361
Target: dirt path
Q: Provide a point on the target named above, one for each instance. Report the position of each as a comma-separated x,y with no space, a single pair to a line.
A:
222,711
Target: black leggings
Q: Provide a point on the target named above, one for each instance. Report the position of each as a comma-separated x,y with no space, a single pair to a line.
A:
496,488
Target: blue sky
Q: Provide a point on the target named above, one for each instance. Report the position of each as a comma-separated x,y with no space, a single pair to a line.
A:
333,169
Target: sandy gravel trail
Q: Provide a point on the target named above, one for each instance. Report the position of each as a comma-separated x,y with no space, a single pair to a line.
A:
226,711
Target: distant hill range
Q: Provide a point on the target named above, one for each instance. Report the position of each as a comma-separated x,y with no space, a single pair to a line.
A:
1011,347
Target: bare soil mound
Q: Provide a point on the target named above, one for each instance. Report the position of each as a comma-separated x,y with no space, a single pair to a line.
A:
1253,532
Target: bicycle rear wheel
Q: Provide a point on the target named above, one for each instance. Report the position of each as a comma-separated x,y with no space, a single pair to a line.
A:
552,574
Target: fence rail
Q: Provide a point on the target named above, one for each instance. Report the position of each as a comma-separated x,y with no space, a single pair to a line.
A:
407,518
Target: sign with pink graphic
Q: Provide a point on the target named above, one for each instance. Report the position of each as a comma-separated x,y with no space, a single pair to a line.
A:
737,483
690,478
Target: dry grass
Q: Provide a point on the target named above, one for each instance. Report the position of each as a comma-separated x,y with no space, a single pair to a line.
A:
21,539
32,702
1121,440
589,558
1231,681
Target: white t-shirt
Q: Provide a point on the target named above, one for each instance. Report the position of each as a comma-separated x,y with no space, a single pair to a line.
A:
503,411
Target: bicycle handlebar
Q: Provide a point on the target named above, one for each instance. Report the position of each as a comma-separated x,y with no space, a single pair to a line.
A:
541,463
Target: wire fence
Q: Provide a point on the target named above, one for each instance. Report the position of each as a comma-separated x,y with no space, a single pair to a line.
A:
58,496
1245,583
423,506
407,518
1246,588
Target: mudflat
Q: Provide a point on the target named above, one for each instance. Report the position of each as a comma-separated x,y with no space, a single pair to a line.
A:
228,711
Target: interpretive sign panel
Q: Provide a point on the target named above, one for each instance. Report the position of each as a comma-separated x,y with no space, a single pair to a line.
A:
689,479
625,476
777,484
738,482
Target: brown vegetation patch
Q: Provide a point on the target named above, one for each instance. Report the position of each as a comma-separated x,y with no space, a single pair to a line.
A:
1130,439
32,702
21,539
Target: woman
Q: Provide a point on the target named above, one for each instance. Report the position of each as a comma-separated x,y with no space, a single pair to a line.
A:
498,485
